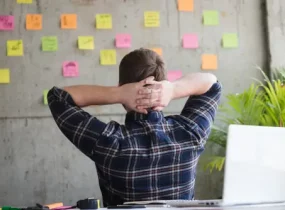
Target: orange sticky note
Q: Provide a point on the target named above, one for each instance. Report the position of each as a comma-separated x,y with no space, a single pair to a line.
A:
209,62
157,50
68,21
34,22
186,5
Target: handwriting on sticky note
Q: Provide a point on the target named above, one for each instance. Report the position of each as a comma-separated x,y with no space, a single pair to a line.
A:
209,62
86,42
15,48
211,18
6,22
70,69
230,40
33,22
68,21
152,19
24,1
190,41
49,43
123,40
174,75
104,21
45,94
108,57
186,5
157,50
4,76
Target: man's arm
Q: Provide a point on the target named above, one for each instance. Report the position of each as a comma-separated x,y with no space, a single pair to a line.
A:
81,128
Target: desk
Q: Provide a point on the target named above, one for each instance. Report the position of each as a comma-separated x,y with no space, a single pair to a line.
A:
248,207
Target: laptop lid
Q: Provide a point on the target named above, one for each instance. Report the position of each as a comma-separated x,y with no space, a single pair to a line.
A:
255,165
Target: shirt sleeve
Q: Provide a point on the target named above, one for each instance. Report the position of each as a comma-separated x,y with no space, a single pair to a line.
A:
81,128
200,111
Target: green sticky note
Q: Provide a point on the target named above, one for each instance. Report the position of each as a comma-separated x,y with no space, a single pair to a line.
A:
49,43
230,40
86,42
211,18
45,93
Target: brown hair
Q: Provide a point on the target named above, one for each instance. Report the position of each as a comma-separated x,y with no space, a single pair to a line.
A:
140,64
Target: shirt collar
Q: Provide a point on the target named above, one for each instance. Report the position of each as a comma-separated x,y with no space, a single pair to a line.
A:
152,116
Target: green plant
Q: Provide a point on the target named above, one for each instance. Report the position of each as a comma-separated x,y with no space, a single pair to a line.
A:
262,104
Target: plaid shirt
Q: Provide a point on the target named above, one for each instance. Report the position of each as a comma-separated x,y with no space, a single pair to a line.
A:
151,157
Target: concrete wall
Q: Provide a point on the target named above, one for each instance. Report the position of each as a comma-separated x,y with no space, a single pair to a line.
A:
276,32
37,163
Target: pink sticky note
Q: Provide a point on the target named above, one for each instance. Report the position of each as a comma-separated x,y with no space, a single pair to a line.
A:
190,41
6,22
70,69
173,75
123,40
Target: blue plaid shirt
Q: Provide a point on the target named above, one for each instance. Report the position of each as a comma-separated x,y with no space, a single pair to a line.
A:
151,157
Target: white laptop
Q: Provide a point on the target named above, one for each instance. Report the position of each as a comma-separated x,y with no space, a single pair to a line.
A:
254,169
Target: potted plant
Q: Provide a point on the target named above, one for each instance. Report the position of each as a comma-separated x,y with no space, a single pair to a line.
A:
262,104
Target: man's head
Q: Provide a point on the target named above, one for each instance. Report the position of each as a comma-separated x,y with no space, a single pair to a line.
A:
140,64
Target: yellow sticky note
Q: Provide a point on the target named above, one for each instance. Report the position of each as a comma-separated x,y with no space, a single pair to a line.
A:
86,42
33,22
4,76
108,57
68,21
152,19
24,1
209,62
104,21
15,48
157,50
45,93
186,5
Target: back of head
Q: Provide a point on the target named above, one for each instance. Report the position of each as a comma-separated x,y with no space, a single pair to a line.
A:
140,64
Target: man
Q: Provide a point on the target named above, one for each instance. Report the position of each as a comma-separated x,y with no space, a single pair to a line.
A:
151,157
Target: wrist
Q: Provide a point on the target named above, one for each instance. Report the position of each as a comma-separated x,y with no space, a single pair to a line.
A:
120,94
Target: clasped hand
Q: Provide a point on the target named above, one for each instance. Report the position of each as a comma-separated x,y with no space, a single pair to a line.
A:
147,94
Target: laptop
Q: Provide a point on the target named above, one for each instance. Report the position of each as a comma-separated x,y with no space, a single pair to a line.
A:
254,169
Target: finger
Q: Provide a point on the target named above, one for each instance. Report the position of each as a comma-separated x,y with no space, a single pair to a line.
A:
158,108
152,96
149,89
146,102
146,80
141,110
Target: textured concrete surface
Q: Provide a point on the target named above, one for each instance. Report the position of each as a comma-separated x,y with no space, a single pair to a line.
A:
37,163
276,32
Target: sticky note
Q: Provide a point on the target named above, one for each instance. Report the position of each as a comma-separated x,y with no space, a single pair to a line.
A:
15,48
86,42
70,69
24,1
123,40
45,94
174,75
190,41
108,57
33,22
230,40
4,76
68,21
157,50
186,5
152,19
6,22
49,43
211,18
209,62
104,21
